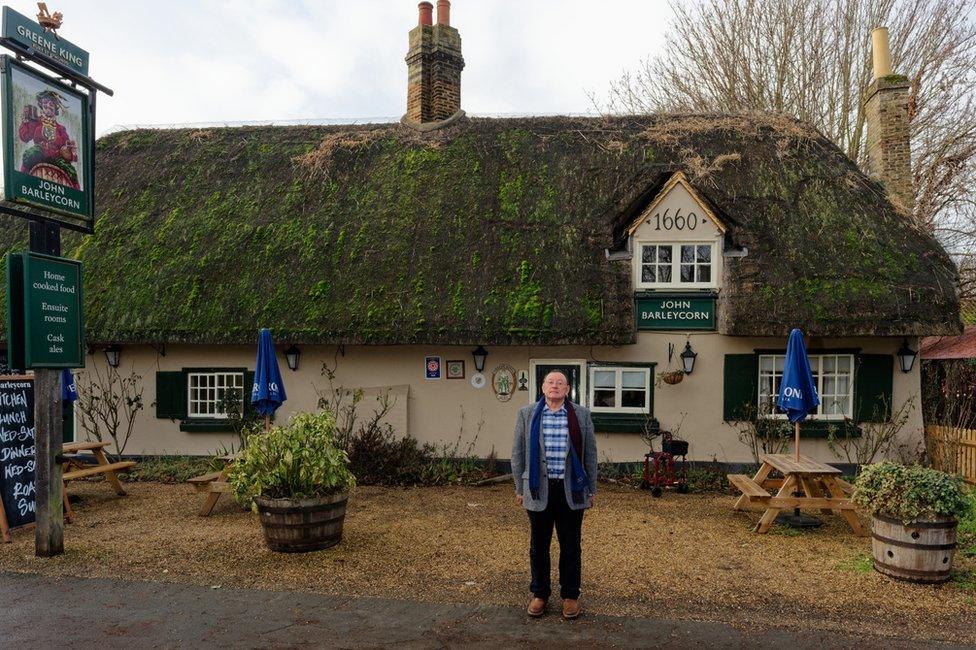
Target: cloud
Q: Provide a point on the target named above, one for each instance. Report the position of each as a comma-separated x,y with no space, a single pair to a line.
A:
223,61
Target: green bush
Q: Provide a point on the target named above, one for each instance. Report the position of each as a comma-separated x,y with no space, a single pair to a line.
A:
170,469
910,492
297,461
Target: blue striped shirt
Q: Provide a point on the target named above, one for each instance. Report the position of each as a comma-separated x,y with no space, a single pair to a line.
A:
555,436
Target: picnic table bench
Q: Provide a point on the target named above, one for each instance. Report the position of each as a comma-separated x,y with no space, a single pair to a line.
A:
73,467
805,483
214,484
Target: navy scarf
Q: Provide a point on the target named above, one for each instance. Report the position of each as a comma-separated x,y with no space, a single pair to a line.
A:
580,480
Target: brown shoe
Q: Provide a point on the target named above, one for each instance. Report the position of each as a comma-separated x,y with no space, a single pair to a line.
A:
571,608
537,607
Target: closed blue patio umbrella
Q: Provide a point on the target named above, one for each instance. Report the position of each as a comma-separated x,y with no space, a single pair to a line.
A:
69,393
797,390
268,391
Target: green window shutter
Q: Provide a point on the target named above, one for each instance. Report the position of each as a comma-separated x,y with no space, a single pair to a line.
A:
248,385
171,395
740,387
872,386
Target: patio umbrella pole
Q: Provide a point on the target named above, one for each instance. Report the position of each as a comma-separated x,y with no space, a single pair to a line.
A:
796,445
267,423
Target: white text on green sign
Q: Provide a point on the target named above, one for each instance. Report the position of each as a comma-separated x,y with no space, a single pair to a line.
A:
675,312
25,31
53,323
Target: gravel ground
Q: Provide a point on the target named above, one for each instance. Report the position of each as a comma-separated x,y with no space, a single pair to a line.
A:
682,556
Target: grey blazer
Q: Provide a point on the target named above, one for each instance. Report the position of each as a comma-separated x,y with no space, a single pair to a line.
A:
520,461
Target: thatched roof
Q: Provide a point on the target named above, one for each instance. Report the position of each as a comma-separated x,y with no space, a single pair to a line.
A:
490,231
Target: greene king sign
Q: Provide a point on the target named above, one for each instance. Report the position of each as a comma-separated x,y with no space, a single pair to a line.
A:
675,312
23,30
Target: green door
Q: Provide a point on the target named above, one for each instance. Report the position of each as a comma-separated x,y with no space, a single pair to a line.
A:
572,369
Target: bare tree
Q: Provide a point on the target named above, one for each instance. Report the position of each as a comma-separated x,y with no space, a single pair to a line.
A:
812,59
108,403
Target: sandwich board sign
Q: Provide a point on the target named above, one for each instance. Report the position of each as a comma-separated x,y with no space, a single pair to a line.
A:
17,440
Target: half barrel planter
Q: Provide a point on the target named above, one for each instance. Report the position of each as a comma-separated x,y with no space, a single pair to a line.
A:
301,525
919,551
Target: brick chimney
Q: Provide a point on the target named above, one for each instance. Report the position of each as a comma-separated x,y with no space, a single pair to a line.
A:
889,125
434,65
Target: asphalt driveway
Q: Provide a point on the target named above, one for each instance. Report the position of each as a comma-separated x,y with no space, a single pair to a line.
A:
73,612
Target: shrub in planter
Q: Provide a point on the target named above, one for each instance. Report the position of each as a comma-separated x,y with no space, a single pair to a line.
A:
914,514
298,481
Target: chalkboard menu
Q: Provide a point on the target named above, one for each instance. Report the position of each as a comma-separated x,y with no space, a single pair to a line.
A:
17,451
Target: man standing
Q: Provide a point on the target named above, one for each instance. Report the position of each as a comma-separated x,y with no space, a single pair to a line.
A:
554,466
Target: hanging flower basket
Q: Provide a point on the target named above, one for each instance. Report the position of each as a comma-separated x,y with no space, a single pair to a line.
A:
672,377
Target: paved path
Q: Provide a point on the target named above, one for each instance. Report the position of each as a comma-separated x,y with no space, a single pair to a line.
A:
79,613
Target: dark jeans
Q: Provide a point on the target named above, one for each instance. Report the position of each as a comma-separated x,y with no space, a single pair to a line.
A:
569,528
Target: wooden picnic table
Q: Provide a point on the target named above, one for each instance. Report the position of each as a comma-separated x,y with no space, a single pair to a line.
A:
804,483
73,467
214,484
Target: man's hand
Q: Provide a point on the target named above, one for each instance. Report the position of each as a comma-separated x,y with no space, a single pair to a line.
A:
592,500
519,499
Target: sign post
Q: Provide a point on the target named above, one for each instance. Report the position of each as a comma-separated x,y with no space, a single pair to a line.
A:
48,171
45,238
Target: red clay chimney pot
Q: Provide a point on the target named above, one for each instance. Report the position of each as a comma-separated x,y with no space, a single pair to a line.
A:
426,13
444,12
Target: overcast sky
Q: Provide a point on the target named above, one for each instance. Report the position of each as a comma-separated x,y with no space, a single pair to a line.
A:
221,61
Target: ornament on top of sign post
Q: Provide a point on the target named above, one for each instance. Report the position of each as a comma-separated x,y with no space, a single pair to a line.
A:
50,22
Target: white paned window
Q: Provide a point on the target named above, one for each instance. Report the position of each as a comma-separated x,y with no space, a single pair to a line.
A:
681,265
656,264
620,390
832,373
207,392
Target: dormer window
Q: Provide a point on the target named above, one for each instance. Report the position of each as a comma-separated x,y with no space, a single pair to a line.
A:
677,241
682,265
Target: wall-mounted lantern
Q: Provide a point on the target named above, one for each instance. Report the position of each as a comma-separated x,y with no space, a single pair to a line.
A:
113,354
688,358
292,356
906,357
480,354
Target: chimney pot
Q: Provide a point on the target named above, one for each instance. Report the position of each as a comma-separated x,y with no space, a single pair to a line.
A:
426,13
444,12
881,52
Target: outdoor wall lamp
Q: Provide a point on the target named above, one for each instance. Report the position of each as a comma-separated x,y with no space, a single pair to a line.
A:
479,358
113,354
291,357
906,357
688,358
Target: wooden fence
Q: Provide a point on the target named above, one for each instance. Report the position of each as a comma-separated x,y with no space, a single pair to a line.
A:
953,450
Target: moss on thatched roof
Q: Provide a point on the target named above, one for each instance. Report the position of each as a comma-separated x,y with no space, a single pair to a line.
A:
490,231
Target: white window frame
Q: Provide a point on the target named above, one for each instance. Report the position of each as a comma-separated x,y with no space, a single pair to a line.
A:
816,367
618,389
676,265
216,375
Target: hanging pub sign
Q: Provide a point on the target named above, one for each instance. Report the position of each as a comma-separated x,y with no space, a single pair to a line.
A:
675,312
47,146
44,42
45,328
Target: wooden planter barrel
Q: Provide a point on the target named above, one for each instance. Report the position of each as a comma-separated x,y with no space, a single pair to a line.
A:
300,525
921,551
